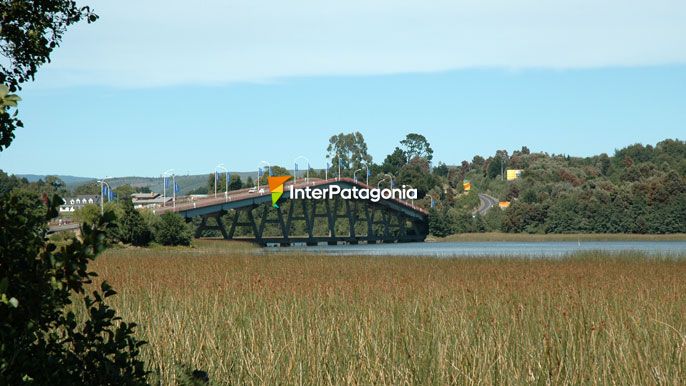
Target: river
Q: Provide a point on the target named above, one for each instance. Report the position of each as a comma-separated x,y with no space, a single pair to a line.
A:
505,249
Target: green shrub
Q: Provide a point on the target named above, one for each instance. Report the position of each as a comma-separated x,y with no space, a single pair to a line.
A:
173,230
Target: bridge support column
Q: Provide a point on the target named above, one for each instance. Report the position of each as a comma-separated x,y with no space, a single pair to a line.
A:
219,225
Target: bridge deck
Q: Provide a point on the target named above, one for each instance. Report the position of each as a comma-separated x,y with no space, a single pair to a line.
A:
240,198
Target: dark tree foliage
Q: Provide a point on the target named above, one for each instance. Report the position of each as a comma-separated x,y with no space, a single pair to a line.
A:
416,174
132,228
641,189
41,342
416,145
350,150
440,223
29,31
394,162
173,230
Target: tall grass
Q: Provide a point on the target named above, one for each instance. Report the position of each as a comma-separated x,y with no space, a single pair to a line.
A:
251,318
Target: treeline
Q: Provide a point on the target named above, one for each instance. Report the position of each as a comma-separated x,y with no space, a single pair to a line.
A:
126,225
640,189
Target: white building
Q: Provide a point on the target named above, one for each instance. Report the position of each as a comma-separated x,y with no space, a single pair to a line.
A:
71,204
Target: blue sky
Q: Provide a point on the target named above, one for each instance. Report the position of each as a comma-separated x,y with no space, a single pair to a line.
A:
238,82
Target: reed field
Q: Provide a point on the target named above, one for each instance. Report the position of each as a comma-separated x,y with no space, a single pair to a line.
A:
247,317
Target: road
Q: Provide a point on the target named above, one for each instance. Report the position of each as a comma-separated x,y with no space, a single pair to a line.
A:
487,202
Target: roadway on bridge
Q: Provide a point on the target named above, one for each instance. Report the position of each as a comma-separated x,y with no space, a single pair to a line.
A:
250,193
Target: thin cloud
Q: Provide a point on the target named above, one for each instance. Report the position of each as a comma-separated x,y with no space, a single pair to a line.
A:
161,43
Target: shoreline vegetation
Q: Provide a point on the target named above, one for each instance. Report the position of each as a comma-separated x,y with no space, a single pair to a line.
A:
526,237
297,318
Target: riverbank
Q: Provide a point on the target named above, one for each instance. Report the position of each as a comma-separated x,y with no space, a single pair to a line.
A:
525,237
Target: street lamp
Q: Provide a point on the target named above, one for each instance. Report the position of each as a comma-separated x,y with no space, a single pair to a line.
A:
410,186
378,184
295,171
269,170
165,175
102,196
432,200
226,172
391,176
354,177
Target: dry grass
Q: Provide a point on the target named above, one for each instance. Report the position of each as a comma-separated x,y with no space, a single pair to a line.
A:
525,237
286,319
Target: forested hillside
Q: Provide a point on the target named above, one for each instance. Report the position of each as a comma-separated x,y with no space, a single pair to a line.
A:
639,189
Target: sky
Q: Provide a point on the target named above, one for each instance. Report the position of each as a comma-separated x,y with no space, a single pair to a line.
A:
156,85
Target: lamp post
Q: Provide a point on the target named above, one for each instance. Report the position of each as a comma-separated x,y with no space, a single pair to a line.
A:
411,187
378,184
174,191
354,174
226,174
165,175
103,183
307,172
391,176
431,205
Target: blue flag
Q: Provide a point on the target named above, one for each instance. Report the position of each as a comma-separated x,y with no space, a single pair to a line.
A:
296,167
176,188
433,203
259,172
391,183
110,195
114,195
269,169
166,182
369,174
104,191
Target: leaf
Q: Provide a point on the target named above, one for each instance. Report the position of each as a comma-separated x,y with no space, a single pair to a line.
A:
14,302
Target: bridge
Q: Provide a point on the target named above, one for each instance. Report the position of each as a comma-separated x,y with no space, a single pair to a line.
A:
250,216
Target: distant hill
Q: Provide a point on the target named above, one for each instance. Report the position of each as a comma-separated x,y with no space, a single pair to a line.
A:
71,181
186,183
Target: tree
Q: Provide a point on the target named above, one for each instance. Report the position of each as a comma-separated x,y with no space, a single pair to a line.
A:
171,229
41,339
416,174
132,228
235,182
440,223
350,150
394,162
29,31
441,170
416,145
124,192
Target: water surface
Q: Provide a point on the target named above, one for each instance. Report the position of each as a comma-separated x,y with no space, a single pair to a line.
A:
526,249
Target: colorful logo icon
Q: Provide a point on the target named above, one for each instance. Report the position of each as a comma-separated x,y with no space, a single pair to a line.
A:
276,187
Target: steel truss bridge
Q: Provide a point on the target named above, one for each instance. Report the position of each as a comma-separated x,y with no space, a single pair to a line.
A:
252,217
